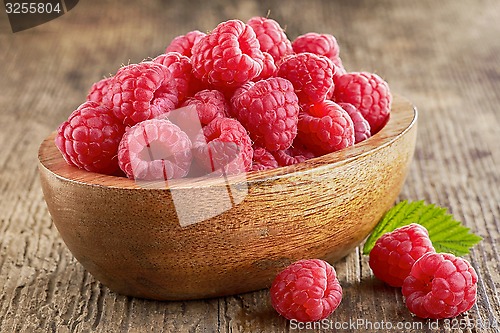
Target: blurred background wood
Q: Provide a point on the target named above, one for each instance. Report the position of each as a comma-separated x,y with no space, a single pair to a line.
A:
444,56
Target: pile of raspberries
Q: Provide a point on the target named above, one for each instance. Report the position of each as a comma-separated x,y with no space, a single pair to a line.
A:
240,98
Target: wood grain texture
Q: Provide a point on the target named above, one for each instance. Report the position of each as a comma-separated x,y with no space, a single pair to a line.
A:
443,56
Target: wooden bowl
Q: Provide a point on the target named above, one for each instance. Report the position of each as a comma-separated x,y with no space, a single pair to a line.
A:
199,238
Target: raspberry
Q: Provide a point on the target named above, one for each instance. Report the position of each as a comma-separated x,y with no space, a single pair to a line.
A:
200,110
183,44
394,253
361,125
269,111
223,145
310,74
229,56
209,104
368,93
181,69
307,290
269,68
99,90
263,160
325,127
440,285
141,91
293,155
89,139
271,36
320,44
155,149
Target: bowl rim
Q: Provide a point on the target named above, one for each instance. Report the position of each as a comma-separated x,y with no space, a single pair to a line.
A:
51,161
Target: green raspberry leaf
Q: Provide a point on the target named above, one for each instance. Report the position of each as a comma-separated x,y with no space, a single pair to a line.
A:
446,233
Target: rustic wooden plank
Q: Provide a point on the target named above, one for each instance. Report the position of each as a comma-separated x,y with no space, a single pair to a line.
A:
442,55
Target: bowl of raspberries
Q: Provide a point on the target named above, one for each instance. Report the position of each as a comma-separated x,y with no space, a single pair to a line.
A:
205,170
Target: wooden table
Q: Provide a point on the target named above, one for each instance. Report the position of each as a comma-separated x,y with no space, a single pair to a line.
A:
442,55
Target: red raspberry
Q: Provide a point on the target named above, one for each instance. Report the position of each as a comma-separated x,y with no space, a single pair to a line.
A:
361,125
368,93
200,110
182,72
155,149
310,74
440,285
307,290
269,111
99,90
263,159
269,69
325,127
320,44
141,91
271,36
183,44
209,104
395,253
297,153
224,145
89,139
229,56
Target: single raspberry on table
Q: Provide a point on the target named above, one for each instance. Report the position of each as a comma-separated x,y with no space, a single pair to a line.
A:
269,111
155,149
310,74
223,146
394,253
297,153
321,44
99,90
263,159
89,139
325,127
229,56
361,125
369,94
440,285
307,290
141,91
184,43
182,73
272,38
